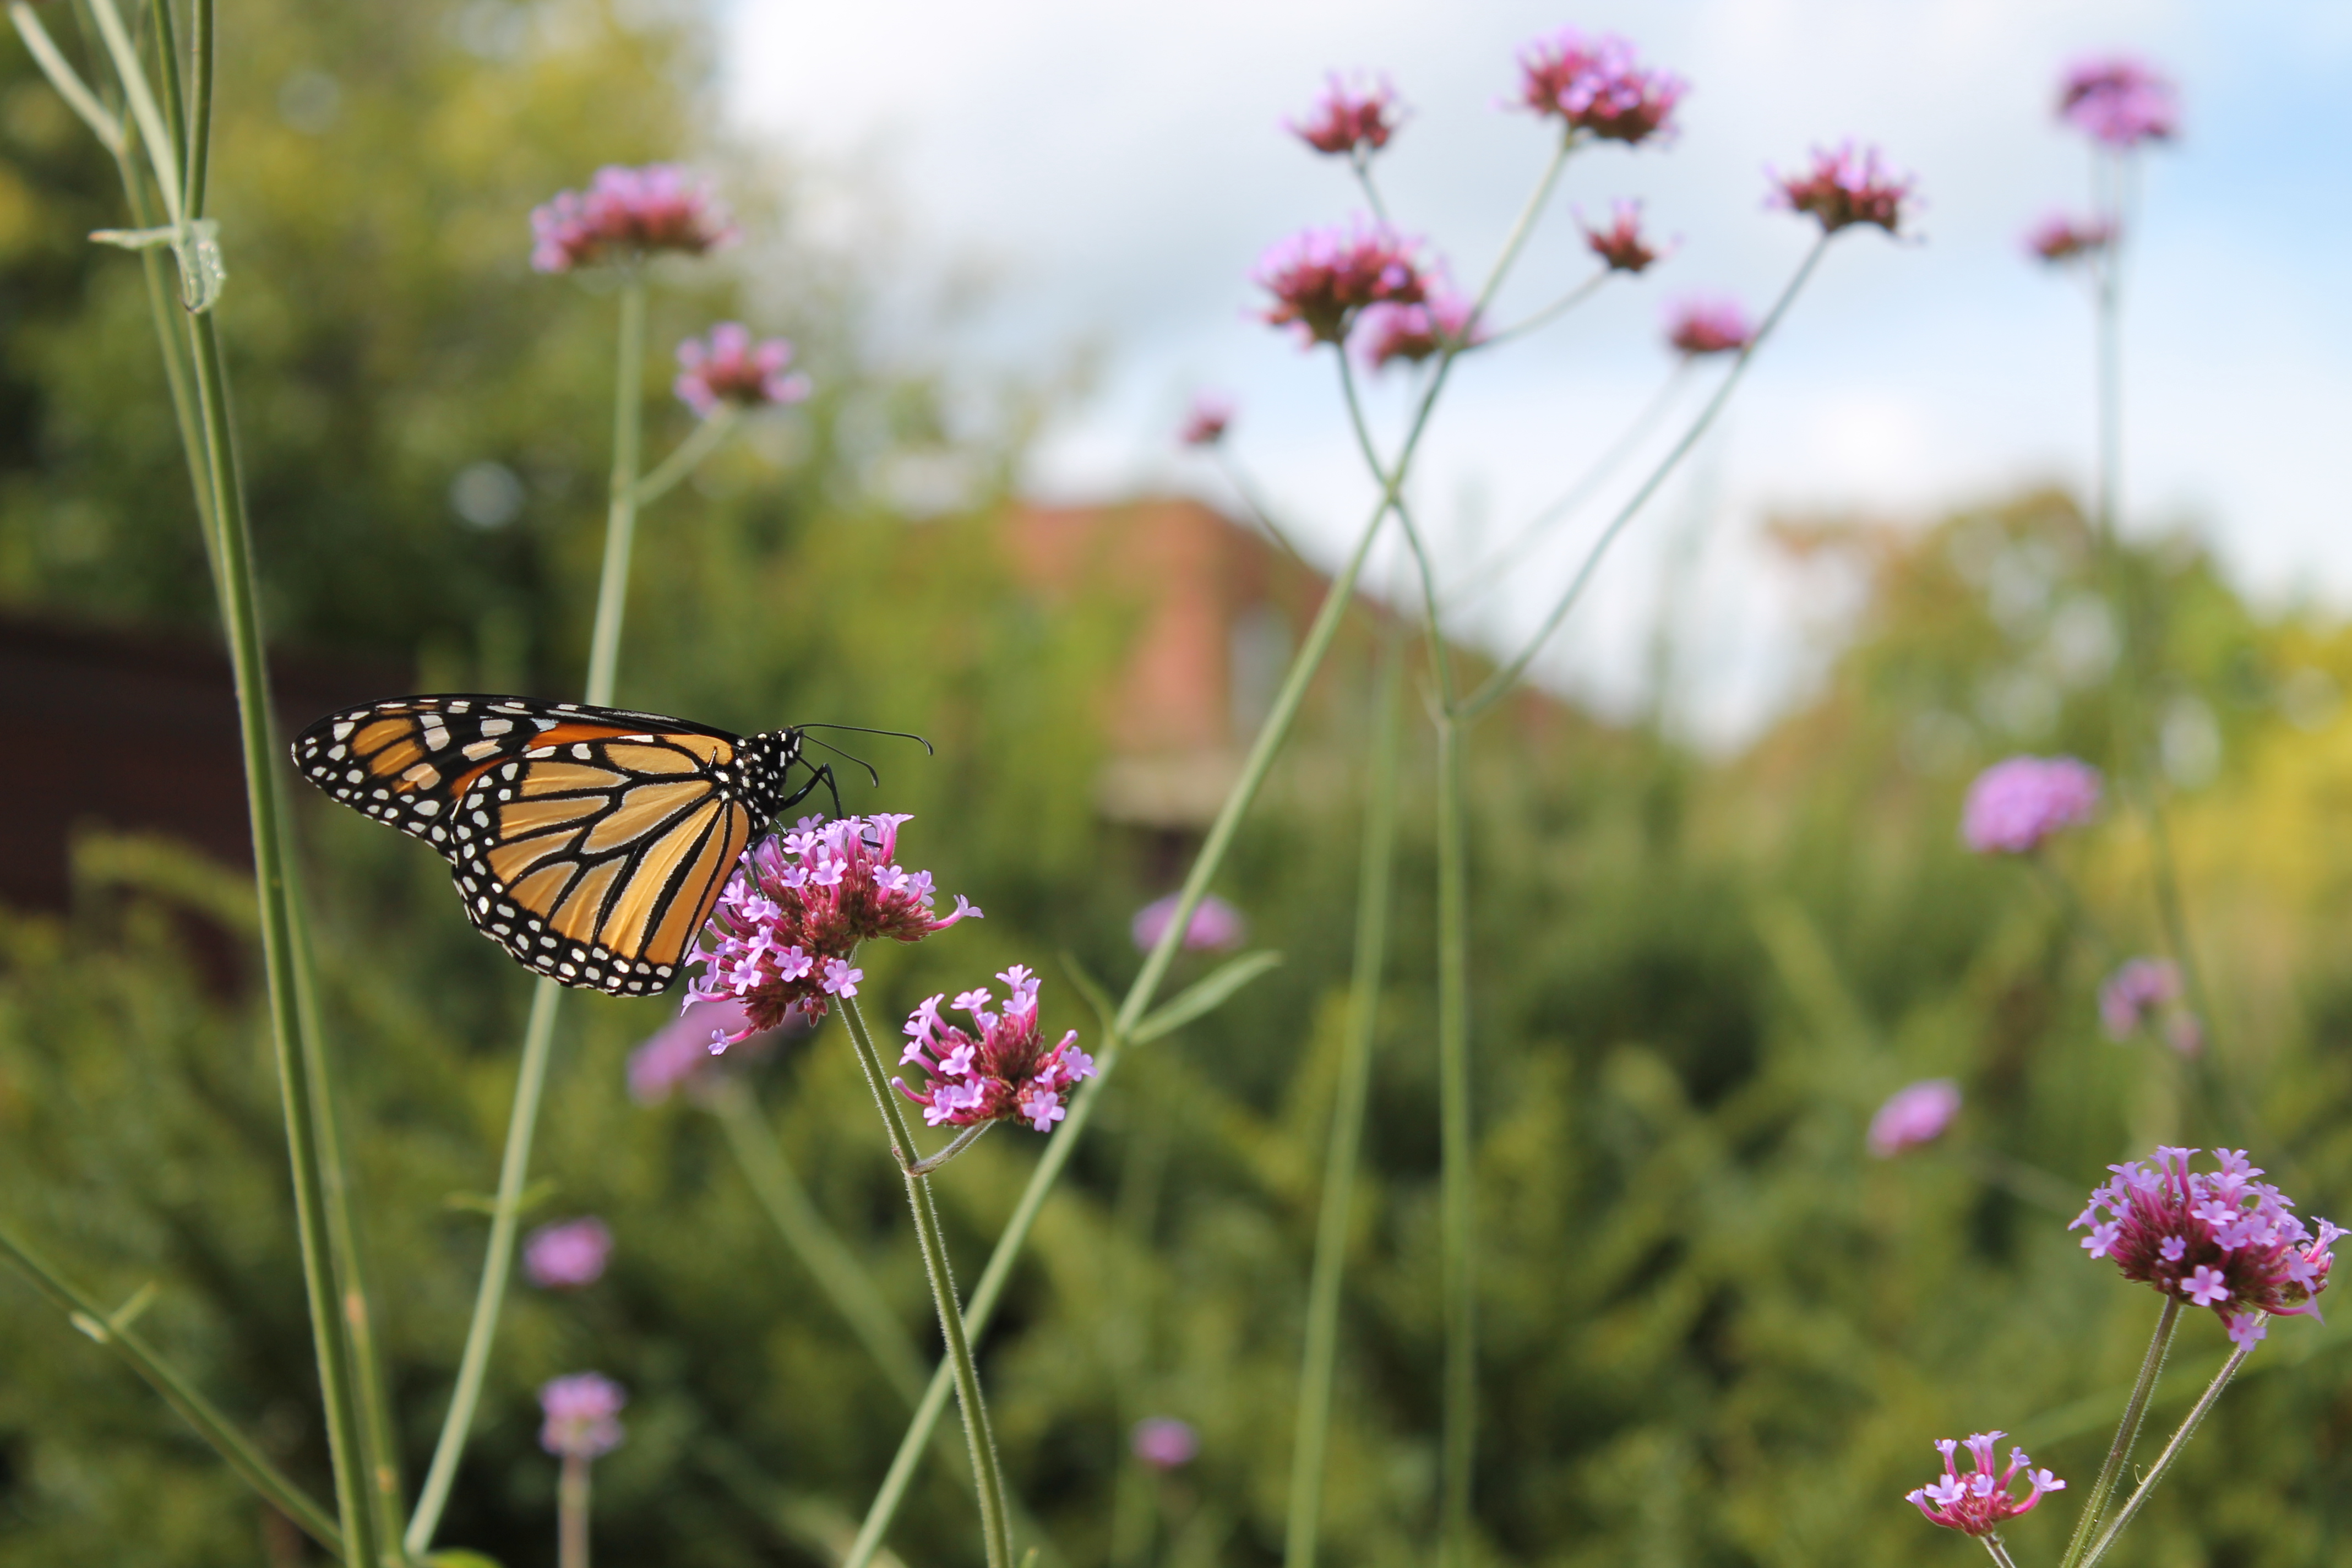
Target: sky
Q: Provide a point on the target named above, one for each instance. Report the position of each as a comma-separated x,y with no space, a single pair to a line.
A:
1115,172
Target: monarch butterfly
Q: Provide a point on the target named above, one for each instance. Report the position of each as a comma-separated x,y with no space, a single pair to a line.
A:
589,843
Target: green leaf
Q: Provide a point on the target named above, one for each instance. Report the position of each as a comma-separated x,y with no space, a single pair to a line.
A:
457,1557
1205,995
1087,986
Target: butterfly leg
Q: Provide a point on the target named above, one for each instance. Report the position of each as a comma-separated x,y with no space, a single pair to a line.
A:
820,774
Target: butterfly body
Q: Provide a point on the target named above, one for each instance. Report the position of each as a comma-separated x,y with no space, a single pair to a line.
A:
589,843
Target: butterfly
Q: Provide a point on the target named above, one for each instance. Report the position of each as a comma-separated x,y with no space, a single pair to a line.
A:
589,843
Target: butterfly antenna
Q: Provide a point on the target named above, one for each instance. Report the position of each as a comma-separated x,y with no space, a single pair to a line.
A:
900,734
861,762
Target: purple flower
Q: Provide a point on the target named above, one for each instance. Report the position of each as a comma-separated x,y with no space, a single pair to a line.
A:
1216,925
2013,805
1697,327
1320,278
1350,118
583,1415
1005,1074
1206,421
1444,320
732,368
677,1055
2120,101
567,1256
1164,1443
1843,188
625,214
1596,86
1976,1503
1913,1115
2221,1238
798,903
2060,238
2134,992
1620,244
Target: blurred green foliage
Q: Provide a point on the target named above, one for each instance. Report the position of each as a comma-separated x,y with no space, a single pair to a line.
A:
1715,1331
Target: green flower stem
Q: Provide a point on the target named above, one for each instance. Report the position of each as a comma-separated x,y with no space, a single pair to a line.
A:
987,1476
1992,1543
200,106
1551,312
280,1490
1456,1180
1310,1447
2171,1451
621,518
704,441
163,152
2151,1365
70,86
497,1260
572,1514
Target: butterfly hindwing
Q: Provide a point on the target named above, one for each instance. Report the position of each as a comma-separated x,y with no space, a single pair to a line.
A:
589,843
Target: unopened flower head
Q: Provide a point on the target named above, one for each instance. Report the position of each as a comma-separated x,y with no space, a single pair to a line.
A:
1164,1443
2135,994
1913,1115
1215,926
1321,279
568,1255
1622,245
626,213
1976,1503
2120,101
2218,1238
1595,85
2013,805
1843,188
1444,320
2061,238
1697,327
797,906
1206,421
676,1057
582,1414
728,367
1002,1071
1350,117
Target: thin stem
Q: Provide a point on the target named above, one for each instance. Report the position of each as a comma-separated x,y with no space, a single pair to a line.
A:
1496,684
1549,313
162,152
1393,486
2151,1366
164,310
572,1513
1361,163
67,80
956,1145
2172,1452
1457,1214
1523,225
1310,1445
473,1362
200,102
621,516
1255,499
1992,1543
279,1489
986,1474
167,72
700,444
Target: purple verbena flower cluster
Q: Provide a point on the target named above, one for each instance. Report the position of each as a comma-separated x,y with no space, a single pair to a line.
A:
1976,1503
2014,805
1622,245
1915,1114
1596,86
568,1255
2120,101
2061,238
2140,992
1005,1074
582,1413
1350,118
1164,1443
1206,421
1698,327
728,367
1321,279
1843,188
625,214
1444,320
796,908
2215,1238
676,1057
1214,927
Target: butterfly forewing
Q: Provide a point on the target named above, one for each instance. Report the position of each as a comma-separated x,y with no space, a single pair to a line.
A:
589,843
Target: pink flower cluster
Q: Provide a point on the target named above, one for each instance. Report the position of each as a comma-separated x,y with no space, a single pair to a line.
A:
583,1415
1844,188
2120,101
730,368
1443,319
2060,238
2139,993
1596,86
1164,1443
568,1256
1350,119
2013,805
796,908
1322,278
1976,1503
1206,421
1216,925
677,1055
625,214
1621,243
1915,1114
2217,1238
1697,327
1005,1074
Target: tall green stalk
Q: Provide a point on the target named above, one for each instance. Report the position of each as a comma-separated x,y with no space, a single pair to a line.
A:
1457,1208
621,516
1311,1444
2151,1366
